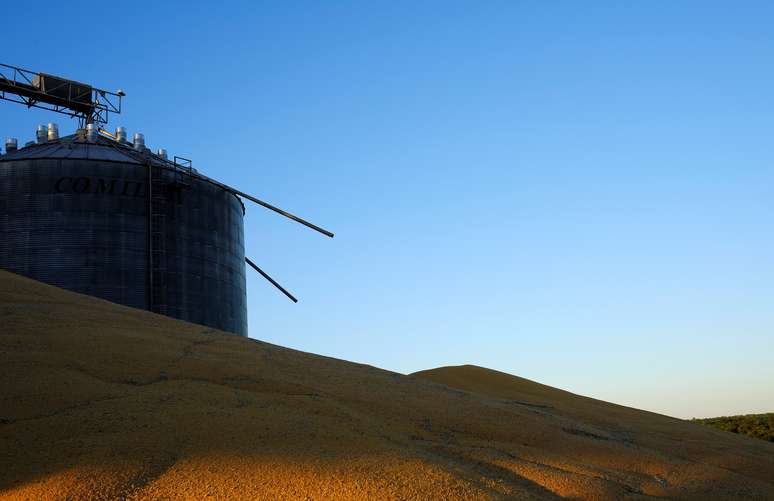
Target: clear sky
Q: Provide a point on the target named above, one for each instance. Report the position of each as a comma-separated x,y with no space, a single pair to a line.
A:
578,193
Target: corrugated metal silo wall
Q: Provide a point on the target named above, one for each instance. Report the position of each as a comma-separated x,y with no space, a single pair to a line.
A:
83,225
204,255
63,224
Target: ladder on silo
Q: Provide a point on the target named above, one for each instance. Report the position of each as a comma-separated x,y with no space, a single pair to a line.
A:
158,253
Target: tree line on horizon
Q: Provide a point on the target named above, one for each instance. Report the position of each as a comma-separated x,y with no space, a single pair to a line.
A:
753,425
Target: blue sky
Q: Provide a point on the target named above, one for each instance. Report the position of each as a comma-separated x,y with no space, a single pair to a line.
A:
576,193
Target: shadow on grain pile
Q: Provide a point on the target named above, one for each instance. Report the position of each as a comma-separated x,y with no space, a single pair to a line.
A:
105,402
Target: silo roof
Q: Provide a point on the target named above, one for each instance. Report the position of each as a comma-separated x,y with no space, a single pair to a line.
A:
106,150
70,147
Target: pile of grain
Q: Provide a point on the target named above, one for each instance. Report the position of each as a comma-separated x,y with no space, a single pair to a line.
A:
105,402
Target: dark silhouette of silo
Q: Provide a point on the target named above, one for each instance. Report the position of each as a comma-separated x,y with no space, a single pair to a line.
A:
97,214
120,223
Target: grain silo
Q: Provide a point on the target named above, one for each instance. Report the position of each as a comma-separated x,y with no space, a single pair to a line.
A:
97,214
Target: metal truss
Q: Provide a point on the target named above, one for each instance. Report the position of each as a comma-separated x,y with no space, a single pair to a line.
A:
48,92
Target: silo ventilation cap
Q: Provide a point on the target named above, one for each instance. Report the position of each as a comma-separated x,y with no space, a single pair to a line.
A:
139,141
53,131
41,135
121,134
91,133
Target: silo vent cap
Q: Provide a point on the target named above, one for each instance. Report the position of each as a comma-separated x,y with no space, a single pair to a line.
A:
121,134
53,131
139,141
41,135
91,133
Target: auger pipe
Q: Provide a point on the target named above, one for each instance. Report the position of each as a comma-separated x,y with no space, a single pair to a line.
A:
273,282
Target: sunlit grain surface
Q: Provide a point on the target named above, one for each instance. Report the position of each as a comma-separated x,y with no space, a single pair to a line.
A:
99,401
